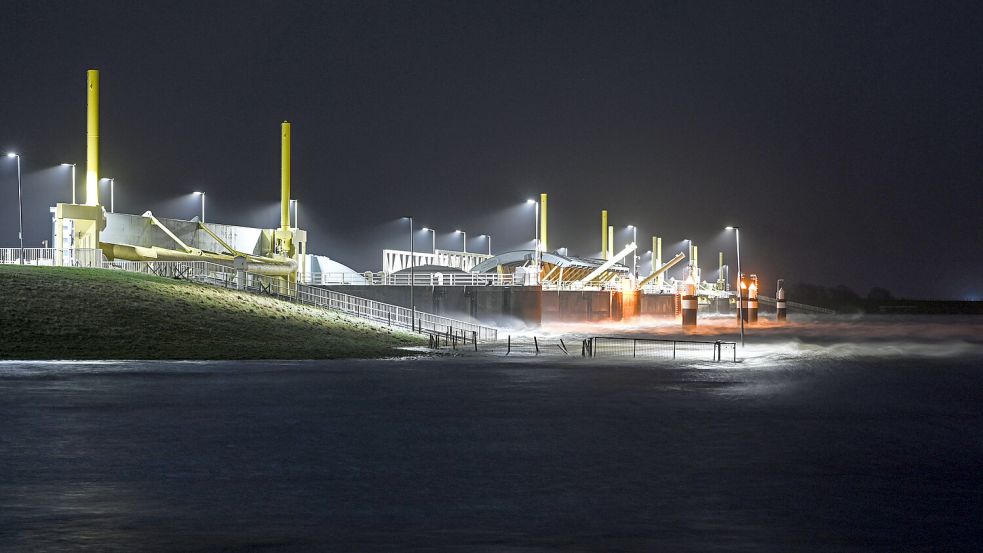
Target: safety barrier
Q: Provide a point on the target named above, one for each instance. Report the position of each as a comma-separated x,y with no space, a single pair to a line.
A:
52,257
603,346
220,275
404,279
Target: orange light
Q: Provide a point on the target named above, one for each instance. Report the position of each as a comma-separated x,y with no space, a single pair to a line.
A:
626,287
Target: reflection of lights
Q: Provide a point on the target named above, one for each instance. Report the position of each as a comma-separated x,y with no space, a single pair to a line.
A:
626,287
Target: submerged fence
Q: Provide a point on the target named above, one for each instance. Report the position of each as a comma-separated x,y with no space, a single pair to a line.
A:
598,346
603,346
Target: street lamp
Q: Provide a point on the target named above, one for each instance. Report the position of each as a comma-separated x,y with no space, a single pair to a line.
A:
434,238
488,236
202,194
465,250
112,195
72,165
740,286
634,255
20,208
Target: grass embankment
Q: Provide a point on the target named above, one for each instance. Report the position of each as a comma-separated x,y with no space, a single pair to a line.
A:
66,313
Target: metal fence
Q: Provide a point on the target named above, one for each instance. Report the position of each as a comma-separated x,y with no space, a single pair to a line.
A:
404,279
220,275
603,346
51,257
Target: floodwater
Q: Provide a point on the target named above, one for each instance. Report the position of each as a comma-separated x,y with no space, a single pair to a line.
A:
801,447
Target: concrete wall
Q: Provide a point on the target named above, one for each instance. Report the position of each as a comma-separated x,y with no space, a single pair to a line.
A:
658,305
513,306
578,306
497,305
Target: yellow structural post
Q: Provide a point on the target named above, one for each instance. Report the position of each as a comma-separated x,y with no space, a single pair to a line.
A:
92,140
604,234
285,176
542,223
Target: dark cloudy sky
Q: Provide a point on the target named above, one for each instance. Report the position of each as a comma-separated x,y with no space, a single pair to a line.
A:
843,137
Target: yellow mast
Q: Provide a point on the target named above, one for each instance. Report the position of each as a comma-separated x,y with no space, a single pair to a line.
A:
92,140
285,176
604,234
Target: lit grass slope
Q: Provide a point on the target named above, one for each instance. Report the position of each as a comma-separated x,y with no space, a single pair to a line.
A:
67,313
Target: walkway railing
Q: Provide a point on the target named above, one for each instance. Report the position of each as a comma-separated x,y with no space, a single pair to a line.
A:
603,346
52,257
227,277
403,279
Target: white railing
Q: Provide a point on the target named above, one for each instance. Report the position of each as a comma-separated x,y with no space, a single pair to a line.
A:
392,314
51,257
403,279
227,277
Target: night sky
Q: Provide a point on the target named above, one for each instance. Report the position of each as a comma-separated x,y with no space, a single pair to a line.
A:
844,138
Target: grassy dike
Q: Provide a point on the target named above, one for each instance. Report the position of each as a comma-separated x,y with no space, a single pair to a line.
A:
66,313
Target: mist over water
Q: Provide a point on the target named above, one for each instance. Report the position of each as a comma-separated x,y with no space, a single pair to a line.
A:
830,435
801,336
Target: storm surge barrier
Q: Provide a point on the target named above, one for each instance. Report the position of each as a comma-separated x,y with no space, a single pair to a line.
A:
606,346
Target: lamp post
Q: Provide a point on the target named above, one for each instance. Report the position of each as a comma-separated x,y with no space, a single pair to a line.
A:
296,213
433,233
412,259
202,194
20,209
740,287
488,237
72,165
634,254
465,250
112,196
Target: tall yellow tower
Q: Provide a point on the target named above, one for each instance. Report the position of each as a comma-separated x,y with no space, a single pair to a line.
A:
92,140
604,234
285,176
77,226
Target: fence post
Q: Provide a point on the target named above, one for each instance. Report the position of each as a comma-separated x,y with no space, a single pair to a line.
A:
474,339
673,349
510,345
634,347
536,343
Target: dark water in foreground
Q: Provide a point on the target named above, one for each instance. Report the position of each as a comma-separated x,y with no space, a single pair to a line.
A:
470,454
